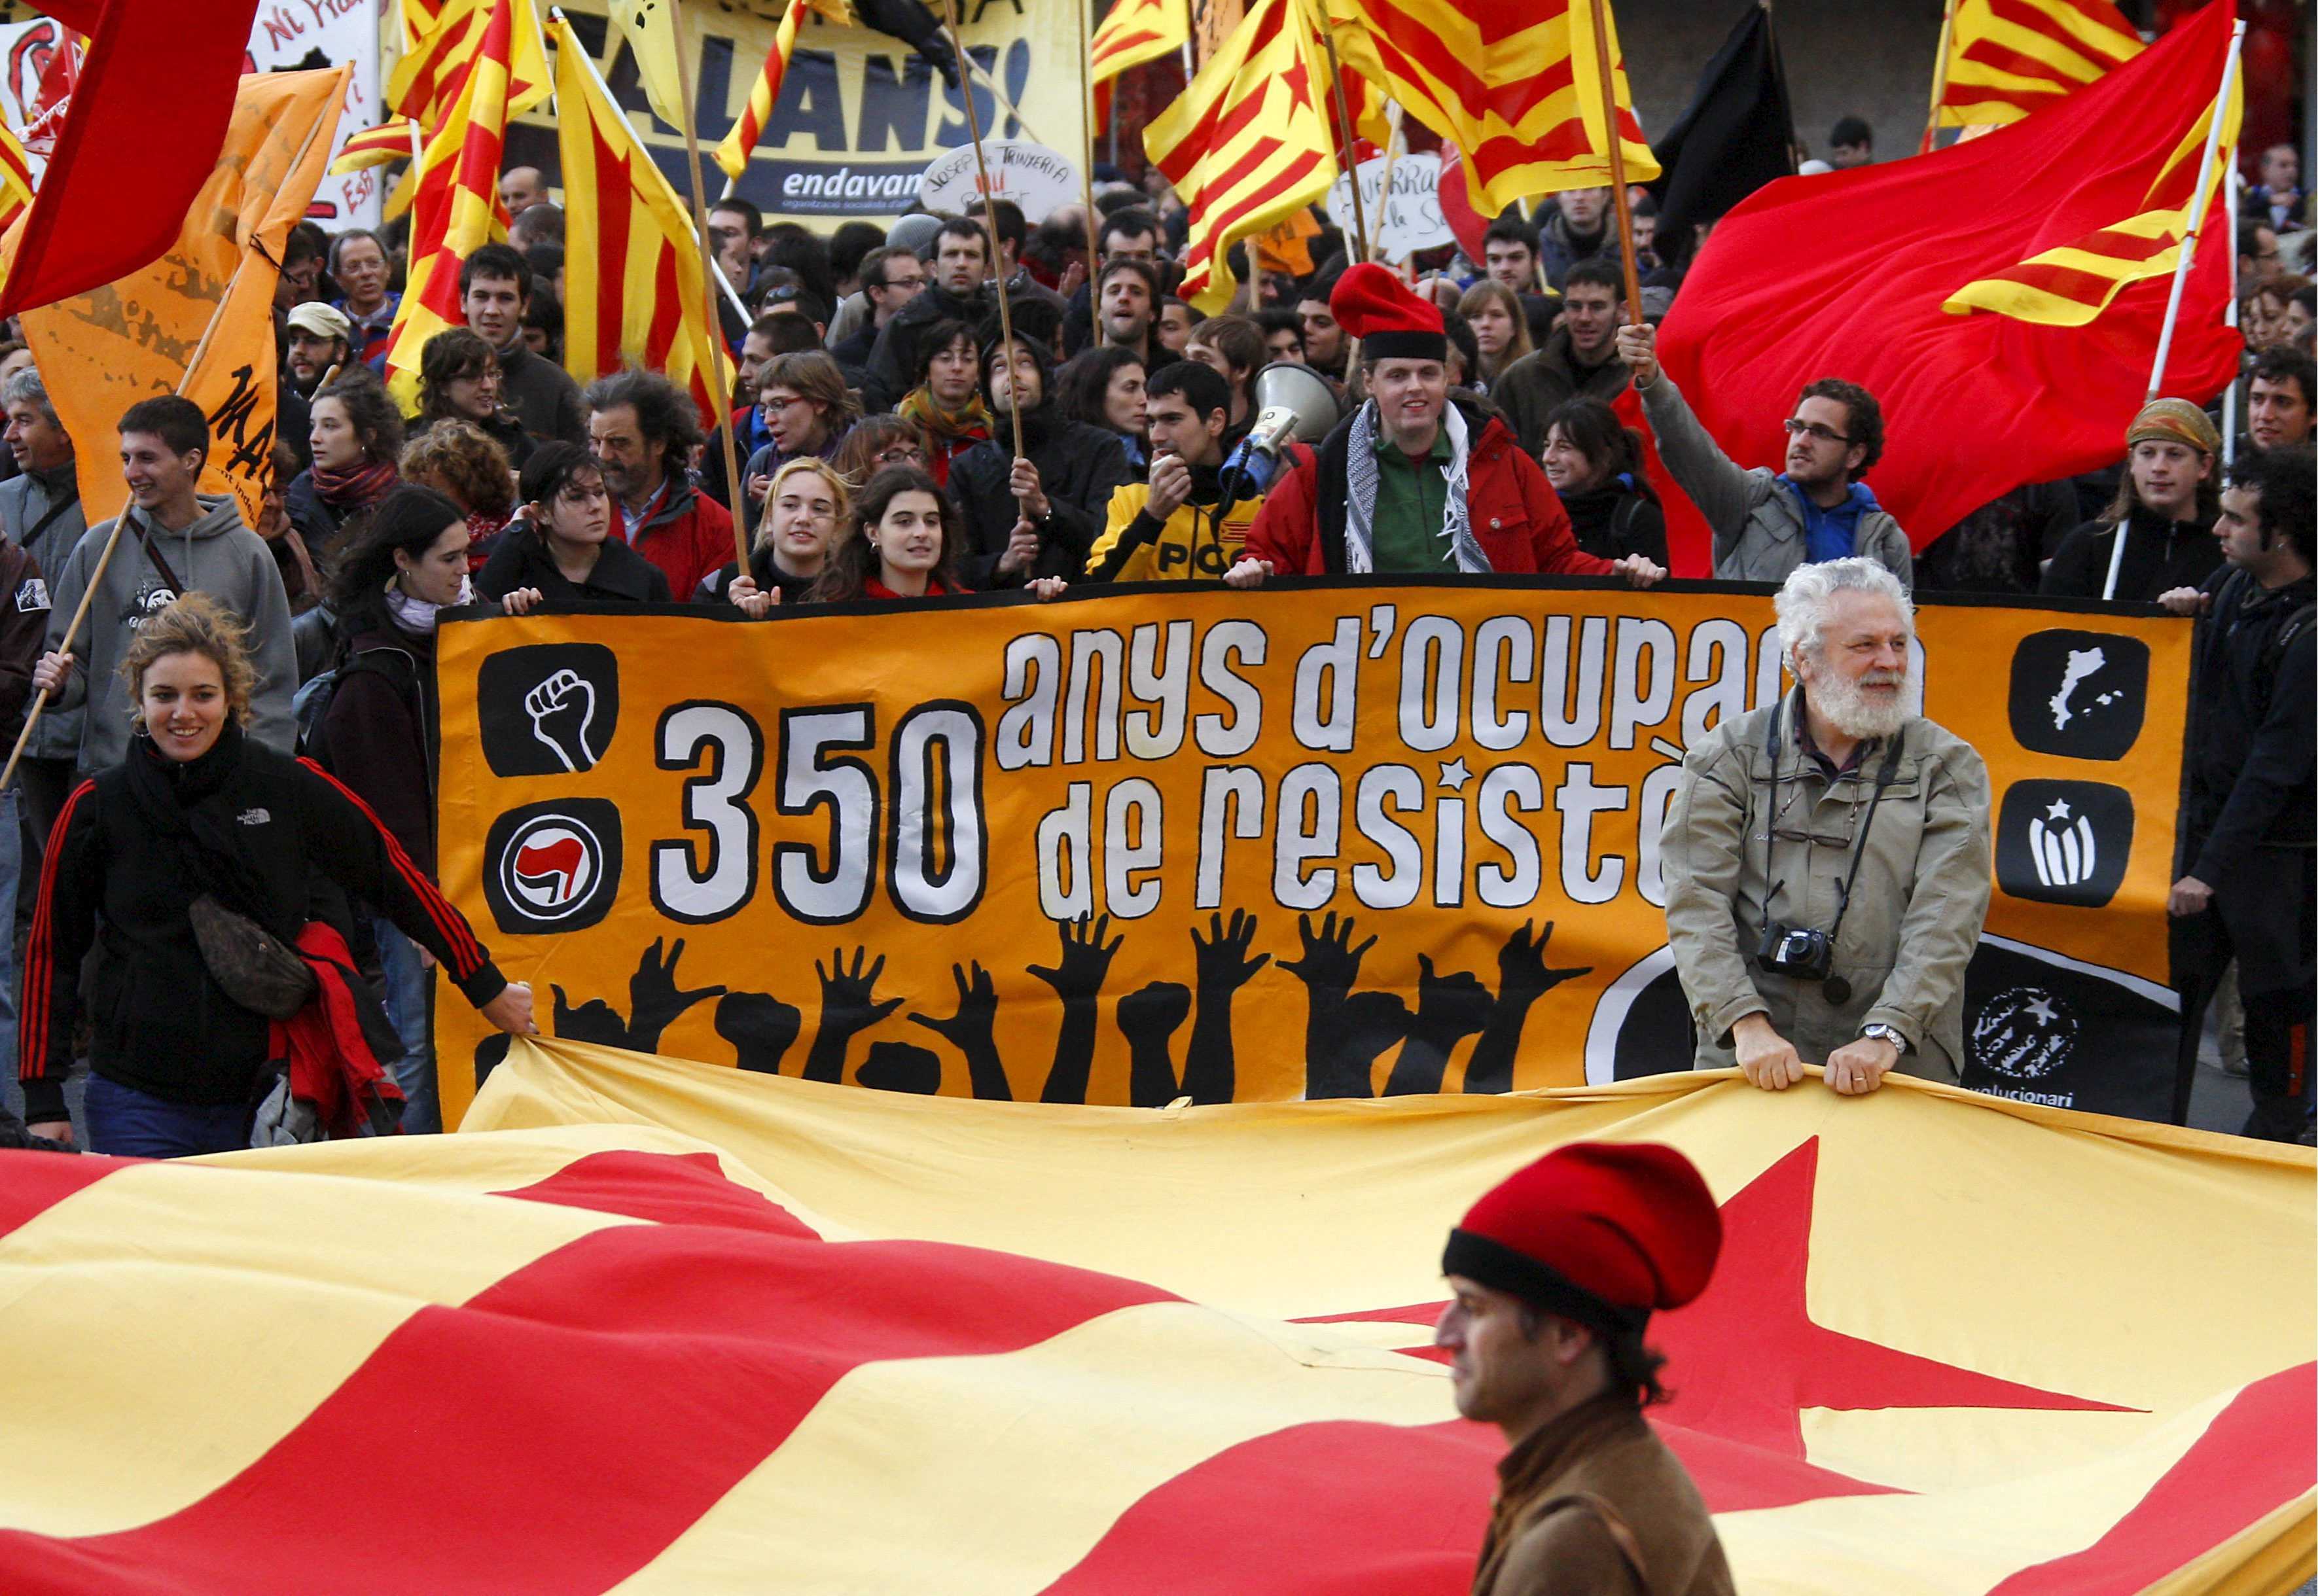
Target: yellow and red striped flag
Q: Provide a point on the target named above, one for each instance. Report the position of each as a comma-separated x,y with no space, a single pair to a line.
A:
433,70
631,259
1514,83
16,177
674,1327
1135,31
1248,142
2071,284
733,154
456,206
2009,58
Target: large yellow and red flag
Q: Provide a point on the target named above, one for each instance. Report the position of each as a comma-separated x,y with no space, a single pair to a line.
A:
16,177
1515,85
679,1328
1133,33
2008,57
631,259
733,154
433,70
456,210
1248,142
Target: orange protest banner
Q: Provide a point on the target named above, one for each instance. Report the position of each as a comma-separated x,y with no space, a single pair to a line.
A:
1305,843
199,320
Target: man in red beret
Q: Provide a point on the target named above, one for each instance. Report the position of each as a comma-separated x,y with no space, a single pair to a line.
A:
1411,483
1555,1274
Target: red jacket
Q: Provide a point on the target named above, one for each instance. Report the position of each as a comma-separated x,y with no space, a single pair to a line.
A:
690,538
1516,516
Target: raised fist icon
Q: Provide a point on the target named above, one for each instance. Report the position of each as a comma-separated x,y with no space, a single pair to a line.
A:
561,709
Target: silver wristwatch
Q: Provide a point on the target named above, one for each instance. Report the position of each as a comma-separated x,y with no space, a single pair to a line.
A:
1884,1033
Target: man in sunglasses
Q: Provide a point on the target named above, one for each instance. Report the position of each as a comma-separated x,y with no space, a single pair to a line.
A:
1765,523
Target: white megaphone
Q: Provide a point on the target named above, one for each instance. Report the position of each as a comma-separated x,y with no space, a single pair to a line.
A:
1294,404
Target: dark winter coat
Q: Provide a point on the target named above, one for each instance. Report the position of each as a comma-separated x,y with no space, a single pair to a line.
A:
2160,555
1541,381
273,838
1612,521
377,734
1079,466
521,560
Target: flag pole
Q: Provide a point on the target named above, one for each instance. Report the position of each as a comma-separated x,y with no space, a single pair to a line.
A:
2230,321
1345,156
2193,222
711,328
1615,140
1384,183
1939,77
1086,170
989,233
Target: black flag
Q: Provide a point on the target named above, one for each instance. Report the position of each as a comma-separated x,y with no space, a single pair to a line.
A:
1737,134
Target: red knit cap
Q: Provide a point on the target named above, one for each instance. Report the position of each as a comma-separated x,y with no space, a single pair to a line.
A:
1390,322
1599,1232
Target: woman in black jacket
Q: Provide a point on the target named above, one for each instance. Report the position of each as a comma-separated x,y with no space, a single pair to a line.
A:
1596,466
805,514
377,734
198,810
560,545
1040,518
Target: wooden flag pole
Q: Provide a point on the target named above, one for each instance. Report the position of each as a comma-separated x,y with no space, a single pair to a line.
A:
1615,141
1384,185
1345,150
2192,223
989,233
1086,169
710,272
2230,319
1939,77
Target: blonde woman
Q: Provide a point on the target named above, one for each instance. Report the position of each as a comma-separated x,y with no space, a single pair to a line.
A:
197,817
806,508
1495,314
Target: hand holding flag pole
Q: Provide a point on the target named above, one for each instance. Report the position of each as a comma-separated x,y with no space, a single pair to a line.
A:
2193,222
710,272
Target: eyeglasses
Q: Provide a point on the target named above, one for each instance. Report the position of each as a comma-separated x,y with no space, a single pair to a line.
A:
1796,426
902,455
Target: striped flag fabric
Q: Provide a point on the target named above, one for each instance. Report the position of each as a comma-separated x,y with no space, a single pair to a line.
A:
733,154
1248,142
1133,33
2009,58
630,258
433,70
2069,285
674,1327
1514,83
16,177
455,209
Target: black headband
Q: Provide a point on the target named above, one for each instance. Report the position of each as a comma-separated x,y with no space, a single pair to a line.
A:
1541,1285
1405,343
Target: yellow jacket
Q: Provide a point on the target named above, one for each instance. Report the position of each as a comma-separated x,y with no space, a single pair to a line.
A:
1135,547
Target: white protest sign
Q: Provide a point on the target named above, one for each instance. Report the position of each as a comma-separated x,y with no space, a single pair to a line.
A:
1413,219
1033,176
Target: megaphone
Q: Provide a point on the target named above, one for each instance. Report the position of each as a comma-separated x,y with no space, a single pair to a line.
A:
1294,404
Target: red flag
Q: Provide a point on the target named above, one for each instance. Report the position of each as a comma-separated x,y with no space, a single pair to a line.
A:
1847,274
147,66
1690,540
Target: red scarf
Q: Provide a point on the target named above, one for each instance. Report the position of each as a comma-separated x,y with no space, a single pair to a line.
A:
355,489
332,1065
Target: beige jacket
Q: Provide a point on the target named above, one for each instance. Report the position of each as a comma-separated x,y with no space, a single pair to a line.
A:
1916,908
1595,1505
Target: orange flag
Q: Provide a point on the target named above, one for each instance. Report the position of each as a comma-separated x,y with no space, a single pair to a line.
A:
207,302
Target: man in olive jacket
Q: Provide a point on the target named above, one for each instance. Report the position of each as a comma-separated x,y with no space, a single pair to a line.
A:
1767,523
1827,858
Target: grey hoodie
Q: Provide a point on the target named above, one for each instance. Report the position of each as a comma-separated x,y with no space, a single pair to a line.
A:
216,555
25,499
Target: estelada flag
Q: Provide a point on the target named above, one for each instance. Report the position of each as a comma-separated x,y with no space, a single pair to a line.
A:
149,110
428,79
210,293
1132,32
2009,58
678,1328
1847,274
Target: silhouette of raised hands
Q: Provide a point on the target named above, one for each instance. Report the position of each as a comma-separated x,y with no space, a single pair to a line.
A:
759,1027
972,1031
848,1006
655,1000
1449,1009
1523,978
1149,1019
1077,977
1345,1033
1222,968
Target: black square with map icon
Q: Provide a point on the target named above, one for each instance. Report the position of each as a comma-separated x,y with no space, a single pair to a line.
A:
2079,694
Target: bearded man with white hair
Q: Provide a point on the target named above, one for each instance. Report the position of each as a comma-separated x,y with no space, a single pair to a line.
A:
1827,858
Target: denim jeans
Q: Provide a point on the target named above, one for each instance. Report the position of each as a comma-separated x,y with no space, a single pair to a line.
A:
132,1124
409,983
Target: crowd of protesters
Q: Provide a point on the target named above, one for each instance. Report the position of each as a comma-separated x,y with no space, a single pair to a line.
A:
893,443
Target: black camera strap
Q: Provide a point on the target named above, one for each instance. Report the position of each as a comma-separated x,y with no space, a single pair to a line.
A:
1887,773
